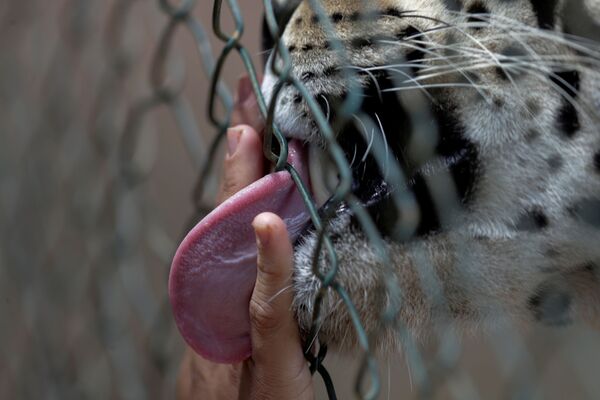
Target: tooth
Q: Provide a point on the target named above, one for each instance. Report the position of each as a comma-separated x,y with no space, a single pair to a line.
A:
323,176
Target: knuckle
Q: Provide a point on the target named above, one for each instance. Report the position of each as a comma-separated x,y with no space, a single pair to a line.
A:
229,186
263,316
296,385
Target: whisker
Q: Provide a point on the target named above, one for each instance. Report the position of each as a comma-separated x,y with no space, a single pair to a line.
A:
438,86
371,76
589,109
279,293
429,51
296,118
364,130
353,157
409,78
327,114
316,335
386,146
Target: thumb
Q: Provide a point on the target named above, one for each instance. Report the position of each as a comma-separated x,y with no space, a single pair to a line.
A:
275,338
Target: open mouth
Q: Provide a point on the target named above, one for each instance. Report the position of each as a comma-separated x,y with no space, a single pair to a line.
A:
381,119
214,269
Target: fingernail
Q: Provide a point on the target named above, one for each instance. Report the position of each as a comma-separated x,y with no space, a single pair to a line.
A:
244,89
233,139
262,229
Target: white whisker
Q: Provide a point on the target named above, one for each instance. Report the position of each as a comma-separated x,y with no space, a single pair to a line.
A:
353,157
386,146
438,86
279,293
429,51
372,78
327,114
409,78
364,130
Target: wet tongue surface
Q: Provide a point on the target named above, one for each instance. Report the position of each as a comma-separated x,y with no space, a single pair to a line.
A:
214,269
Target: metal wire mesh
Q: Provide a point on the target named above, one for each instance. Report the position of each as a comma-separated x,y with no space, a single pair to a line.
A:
84,256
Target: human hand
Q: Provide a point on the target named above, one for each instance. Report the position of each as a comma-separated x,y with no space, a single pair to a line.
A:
277,368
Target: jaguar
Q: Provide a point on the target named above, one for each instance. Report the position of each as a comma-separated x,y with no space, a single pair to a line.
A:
487,111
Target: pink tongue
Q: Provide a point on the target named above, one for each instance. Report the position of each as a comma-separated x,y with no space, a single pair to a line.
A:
214,269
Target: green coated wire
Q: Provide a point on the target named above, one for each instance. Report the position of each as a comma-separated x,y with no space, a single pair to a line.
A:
281,66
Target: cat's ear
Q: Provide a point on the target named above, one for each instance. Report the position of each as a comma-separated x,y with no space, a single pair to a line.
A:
283,10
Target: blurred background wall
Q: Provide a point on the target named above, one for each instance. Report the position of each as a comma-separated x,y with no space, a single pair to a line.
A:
86,239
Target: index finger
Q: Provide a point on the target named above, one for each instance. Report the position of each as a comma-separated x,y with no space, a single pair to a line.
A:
244,162
245,108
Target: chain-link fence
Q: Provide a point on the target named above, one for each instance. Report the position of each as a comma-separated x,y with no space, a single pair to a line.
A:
106,138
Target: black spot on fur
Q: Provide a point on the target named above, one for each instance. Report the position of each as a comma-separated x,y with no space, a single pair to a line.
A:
336,17
597,161
314,19
567,81
470,77
545,12
501,73
568,119
498,102
551,305
307,47
533,220
407,32
453,5
416,54
587,211
355,16
532,135
359,42
292,48
514,50
555,162
539,218
326,45
509,53
307,76
533,107
298,21
477,8
297,99
392,12
330,71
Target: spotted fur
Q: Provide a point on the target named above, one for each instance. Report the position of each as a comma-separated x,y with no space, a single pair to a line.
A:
506,194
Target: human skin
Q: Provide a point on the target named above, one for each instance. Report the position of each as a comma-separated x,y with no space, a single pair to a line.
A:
277,368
